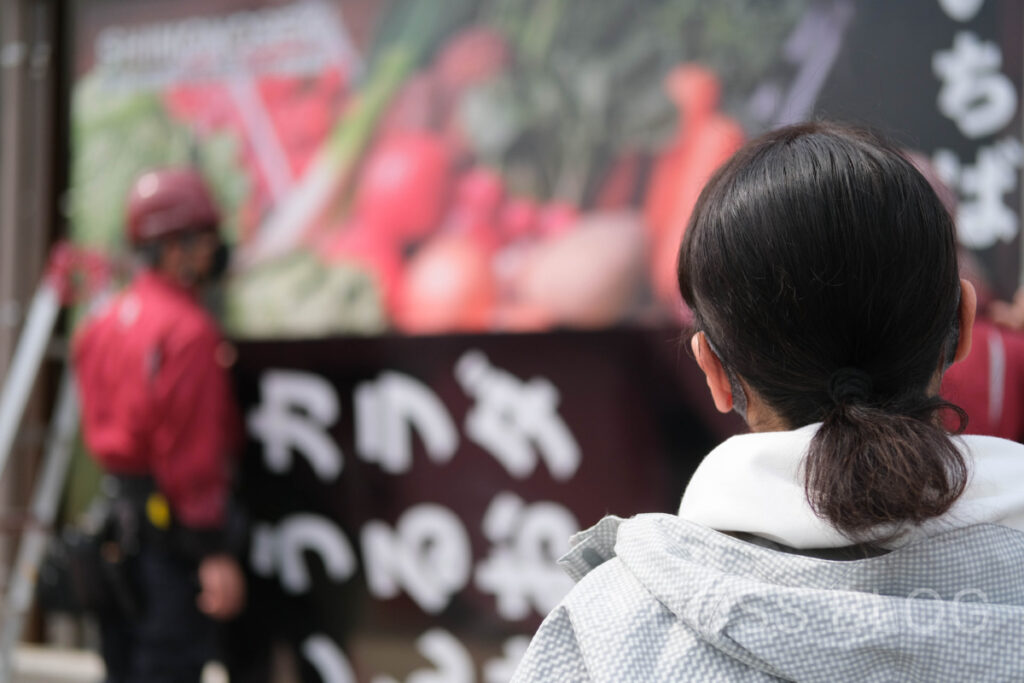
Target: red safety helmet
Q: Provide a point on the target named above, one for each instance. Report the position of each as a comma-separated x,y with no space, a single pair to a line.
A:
169,202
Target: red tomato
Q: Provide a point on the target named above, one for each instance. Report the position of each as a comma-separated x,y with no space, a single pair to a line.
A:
403,190
475,214
448,286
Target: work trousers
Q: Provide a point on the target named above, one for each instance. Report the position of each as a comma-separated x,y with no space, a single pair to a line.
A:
170,640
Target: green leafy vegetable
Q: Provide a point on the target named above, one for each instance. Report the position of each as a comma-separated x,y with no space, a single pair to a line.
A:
299,296
115,136
588,85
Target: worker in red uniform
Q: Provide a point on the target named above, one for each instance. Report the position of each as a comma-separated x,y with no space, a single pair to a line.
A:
158,415
989,383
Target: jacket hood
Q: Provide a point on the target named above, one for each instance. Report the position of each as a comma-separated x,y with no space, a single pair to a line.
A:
947,607
753,483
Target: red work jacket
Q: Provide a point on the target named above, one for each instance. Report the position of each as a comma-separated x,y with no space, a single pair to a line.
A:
156,396
989,383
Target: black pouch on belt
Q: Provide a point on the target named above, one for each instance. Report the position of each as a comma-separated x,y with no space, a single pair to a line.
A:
89,566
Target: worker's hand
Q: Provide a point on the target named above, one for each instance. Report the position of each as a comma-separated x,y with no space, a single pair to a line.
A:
222,587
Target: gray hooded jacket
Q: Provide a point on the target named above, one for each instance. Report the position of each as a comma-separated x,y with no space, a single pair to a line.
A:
663,599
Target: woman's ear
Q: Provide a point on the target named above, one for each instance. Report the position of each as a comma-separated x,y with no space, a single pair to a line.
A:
714,371
968,308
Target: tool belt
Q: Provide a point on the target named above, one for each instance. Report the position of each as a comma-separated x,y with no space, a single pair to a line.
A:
89,566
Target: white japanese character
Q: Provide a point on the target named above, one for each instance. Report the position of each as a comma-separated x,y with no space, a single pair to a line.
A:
282,550
428,554
501,669
961,10
509,416
296,411
388,410
983,219
975,93
521,570
327,659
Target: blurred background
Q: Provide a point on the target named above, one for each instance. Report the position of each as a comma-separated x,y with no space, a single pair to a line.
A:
453,292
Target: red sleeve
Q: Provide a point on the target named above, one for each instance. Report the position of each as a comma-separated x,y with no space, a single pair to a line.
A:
195,430
112,395
966,384
1013,397
989,383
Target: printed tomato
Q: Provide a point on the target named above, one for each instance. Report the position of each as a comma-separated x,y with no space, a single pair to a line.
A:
448,286
403,190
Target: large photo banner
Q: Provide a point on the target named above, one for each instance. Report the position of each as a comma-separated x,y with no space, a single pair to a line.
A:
513,165
454,226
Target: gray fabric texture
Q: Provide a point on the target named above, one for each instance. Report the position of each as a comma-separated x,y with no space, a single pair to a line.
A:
662,599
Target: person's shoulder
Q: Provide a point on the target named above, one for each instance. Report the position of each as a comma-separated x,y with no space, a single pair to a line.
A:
583,638
554,653
195,322
179,318
100,324
194,333
611,627
621,624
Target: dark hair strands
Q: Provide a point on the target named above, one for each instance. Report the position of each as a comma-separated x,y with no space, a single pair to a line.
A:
870,467
819,248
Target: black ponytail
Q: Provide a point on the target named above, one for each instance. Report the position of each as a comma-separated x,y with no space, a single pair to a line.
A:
823,266
870,466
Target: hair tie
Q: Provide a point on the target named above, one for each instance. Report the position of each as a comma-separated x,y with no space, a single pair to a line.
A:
847,385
